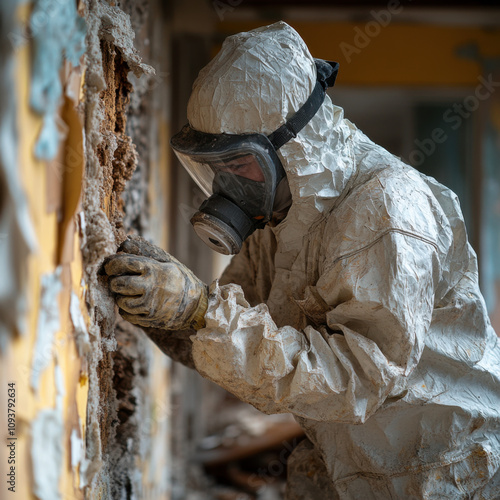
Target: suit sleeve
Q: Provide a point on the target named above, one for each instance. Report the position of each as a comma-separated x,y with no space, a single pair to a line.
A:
176,344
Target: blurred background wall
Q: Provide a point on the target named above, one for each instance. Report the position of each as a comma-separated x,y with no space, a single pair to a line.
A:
90,93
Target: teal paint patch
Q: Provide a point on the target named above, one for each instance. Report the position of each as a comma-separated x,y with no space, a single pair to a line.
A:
58,34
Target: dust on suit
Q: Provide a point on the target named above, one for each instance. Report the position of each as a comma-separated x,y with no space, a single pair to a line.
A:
360,312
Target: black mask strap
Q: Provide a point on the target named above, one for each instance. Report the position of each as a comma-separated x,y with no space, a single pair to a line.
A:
326,75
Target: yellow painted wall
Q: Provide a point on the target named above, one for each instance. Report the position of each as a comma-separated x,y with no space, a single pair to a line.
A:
17,361
53,190
397,54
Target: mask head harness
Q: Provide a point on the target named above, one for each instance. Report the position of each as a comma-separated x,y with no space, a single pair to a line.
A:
240,173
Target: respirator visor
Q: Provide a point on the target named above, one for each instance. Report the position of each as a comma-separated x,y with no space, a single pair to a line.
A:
239,174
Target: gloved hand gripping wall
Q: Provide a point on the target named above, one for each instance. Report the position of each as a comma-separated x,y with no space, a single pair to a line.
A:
153,289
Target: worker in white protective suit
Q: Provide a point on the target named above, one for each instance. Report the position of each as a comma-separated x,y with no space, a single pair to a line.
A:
352,301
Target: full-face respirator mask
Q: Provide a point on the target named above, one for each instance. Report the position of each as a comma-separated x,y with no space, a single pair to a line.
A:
241,174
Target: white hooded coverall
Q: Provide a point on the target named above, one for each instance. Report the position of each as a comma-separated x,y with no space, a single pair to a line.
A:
360,313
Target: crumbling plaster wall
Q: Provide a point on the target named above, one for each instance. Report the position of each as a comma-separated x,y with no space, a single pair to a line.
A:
86,163
119,406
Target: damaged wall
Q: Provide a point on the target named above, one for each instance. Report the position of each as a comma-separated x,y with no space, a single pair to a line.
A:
84,116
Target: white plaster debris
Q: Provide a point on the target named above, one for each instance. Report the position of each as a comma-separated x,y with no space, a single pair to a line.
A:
47,326
82,228
47,432
116,28
79,461
47,435
81,334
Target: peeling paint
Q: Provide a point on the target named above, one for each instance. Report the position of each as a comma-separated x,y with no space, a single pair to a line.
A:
47,431
58,33
17,238
78,460
81,334
85,409
48,324
46,452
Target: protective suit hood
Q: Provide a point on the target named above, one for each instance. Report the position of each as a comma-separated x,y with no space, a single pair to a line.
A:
257,81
